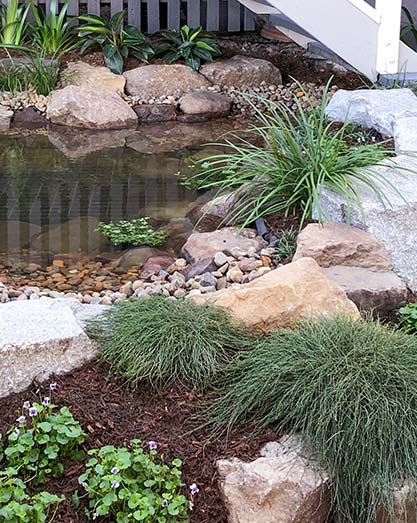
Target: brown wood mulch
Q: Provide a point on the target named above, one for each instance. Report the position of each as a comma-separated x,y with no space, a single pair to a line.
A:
111,414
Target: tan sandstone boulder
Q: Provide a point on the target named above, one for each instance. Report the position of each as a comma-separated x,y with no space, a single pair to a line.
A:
90,108
86,75
283,297
340,244
153,81
283,486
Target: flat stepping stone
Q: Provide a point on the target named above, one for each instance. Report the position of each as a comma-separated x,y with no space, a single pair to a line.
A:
40,338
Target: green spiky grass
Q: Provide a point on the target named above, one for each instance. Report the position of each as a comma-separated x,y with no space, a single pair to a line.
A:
163,341
350,387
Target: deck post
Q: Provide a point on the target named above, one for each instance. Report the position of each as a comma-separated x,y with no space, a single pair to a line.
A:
388,50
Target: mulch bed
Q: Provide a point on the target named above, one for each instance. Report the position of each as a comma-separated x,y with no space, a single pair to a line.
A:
113,415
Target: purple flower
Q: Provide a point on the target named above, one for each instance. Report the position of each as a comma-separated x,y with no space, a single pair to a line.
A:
33,411
153,445
16,432
194,489
26,405
20,419
45,400
115,470
52,386
115,484
165,503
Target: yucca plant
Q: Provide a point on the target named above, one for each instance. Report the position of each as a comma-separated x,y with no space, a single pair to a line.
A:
53,32
349,387
13,23
117,42
194,46
300,152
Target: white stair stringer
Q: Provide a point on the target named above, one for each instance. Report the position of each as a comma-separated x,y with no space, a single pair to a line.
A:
365,37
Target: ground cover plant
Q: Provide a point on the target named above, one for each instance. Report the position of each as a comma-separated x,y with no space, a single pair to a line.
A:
407,317
300,152
116,41
350,388
193,46
162,341
132,233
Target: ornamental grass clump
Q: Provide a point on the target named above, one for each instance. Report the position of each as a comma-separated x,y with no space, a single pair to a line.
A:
163,341
286,157
350,388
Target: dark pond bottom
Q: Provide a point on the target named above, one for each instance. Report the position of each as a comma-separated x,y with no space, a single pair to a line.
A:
56,188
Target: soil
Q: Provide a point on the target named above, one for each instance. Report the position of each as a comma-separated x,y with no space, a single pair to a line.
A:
111,414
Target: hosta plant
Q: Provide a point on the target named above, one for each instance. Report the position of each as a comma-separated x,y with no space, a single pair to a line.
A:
131,233
193,46
17,506
43,439
117,42
129,484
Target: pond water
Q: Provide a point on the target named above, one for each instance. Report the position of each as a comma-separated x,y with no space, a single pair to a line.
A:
55,188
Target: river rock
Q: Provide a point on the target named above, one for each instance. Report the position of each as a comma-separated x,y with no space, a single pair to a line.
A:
154,265
206,104
29,118
151,113
241,71
39,338
203,246
88,107
341,244
378,292
285,485
5,117
86,75
395,223
283,297
373,108
153,81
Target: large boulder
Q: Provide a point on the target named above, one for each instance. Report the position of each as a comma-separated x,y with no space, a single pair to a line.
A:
86,75
206,104
137,256
405,134
377,292
29,118
211,214
40,338
153,81
393,222
283,297
90,107
204,245
241,71
5,117
285,485
374,108
341,244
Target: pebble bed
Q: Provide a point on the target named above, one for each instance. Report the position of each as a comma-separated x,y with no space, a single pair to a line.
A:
232,268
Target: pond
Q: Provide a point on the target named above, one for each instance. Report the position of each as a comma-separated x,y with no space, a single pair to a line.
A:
56,187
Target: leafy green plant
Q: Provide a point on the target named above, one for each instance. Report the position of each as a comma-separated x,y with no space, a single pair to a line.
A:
194,46
13,23
301,151
163,341
33,73
53,32
286,244
132,485
133,232
350,388
117,42
44,438
408,318
410,29
17,506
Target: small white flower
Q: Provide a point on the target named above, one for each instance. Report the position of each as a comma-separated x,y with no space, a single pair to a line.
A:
114,470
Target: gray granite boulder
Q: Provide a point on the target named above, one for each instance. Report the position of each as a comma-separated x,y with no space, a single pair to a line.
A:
377,109
153,81
393,222
377,292
405,134
40,338
241,71
91,108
